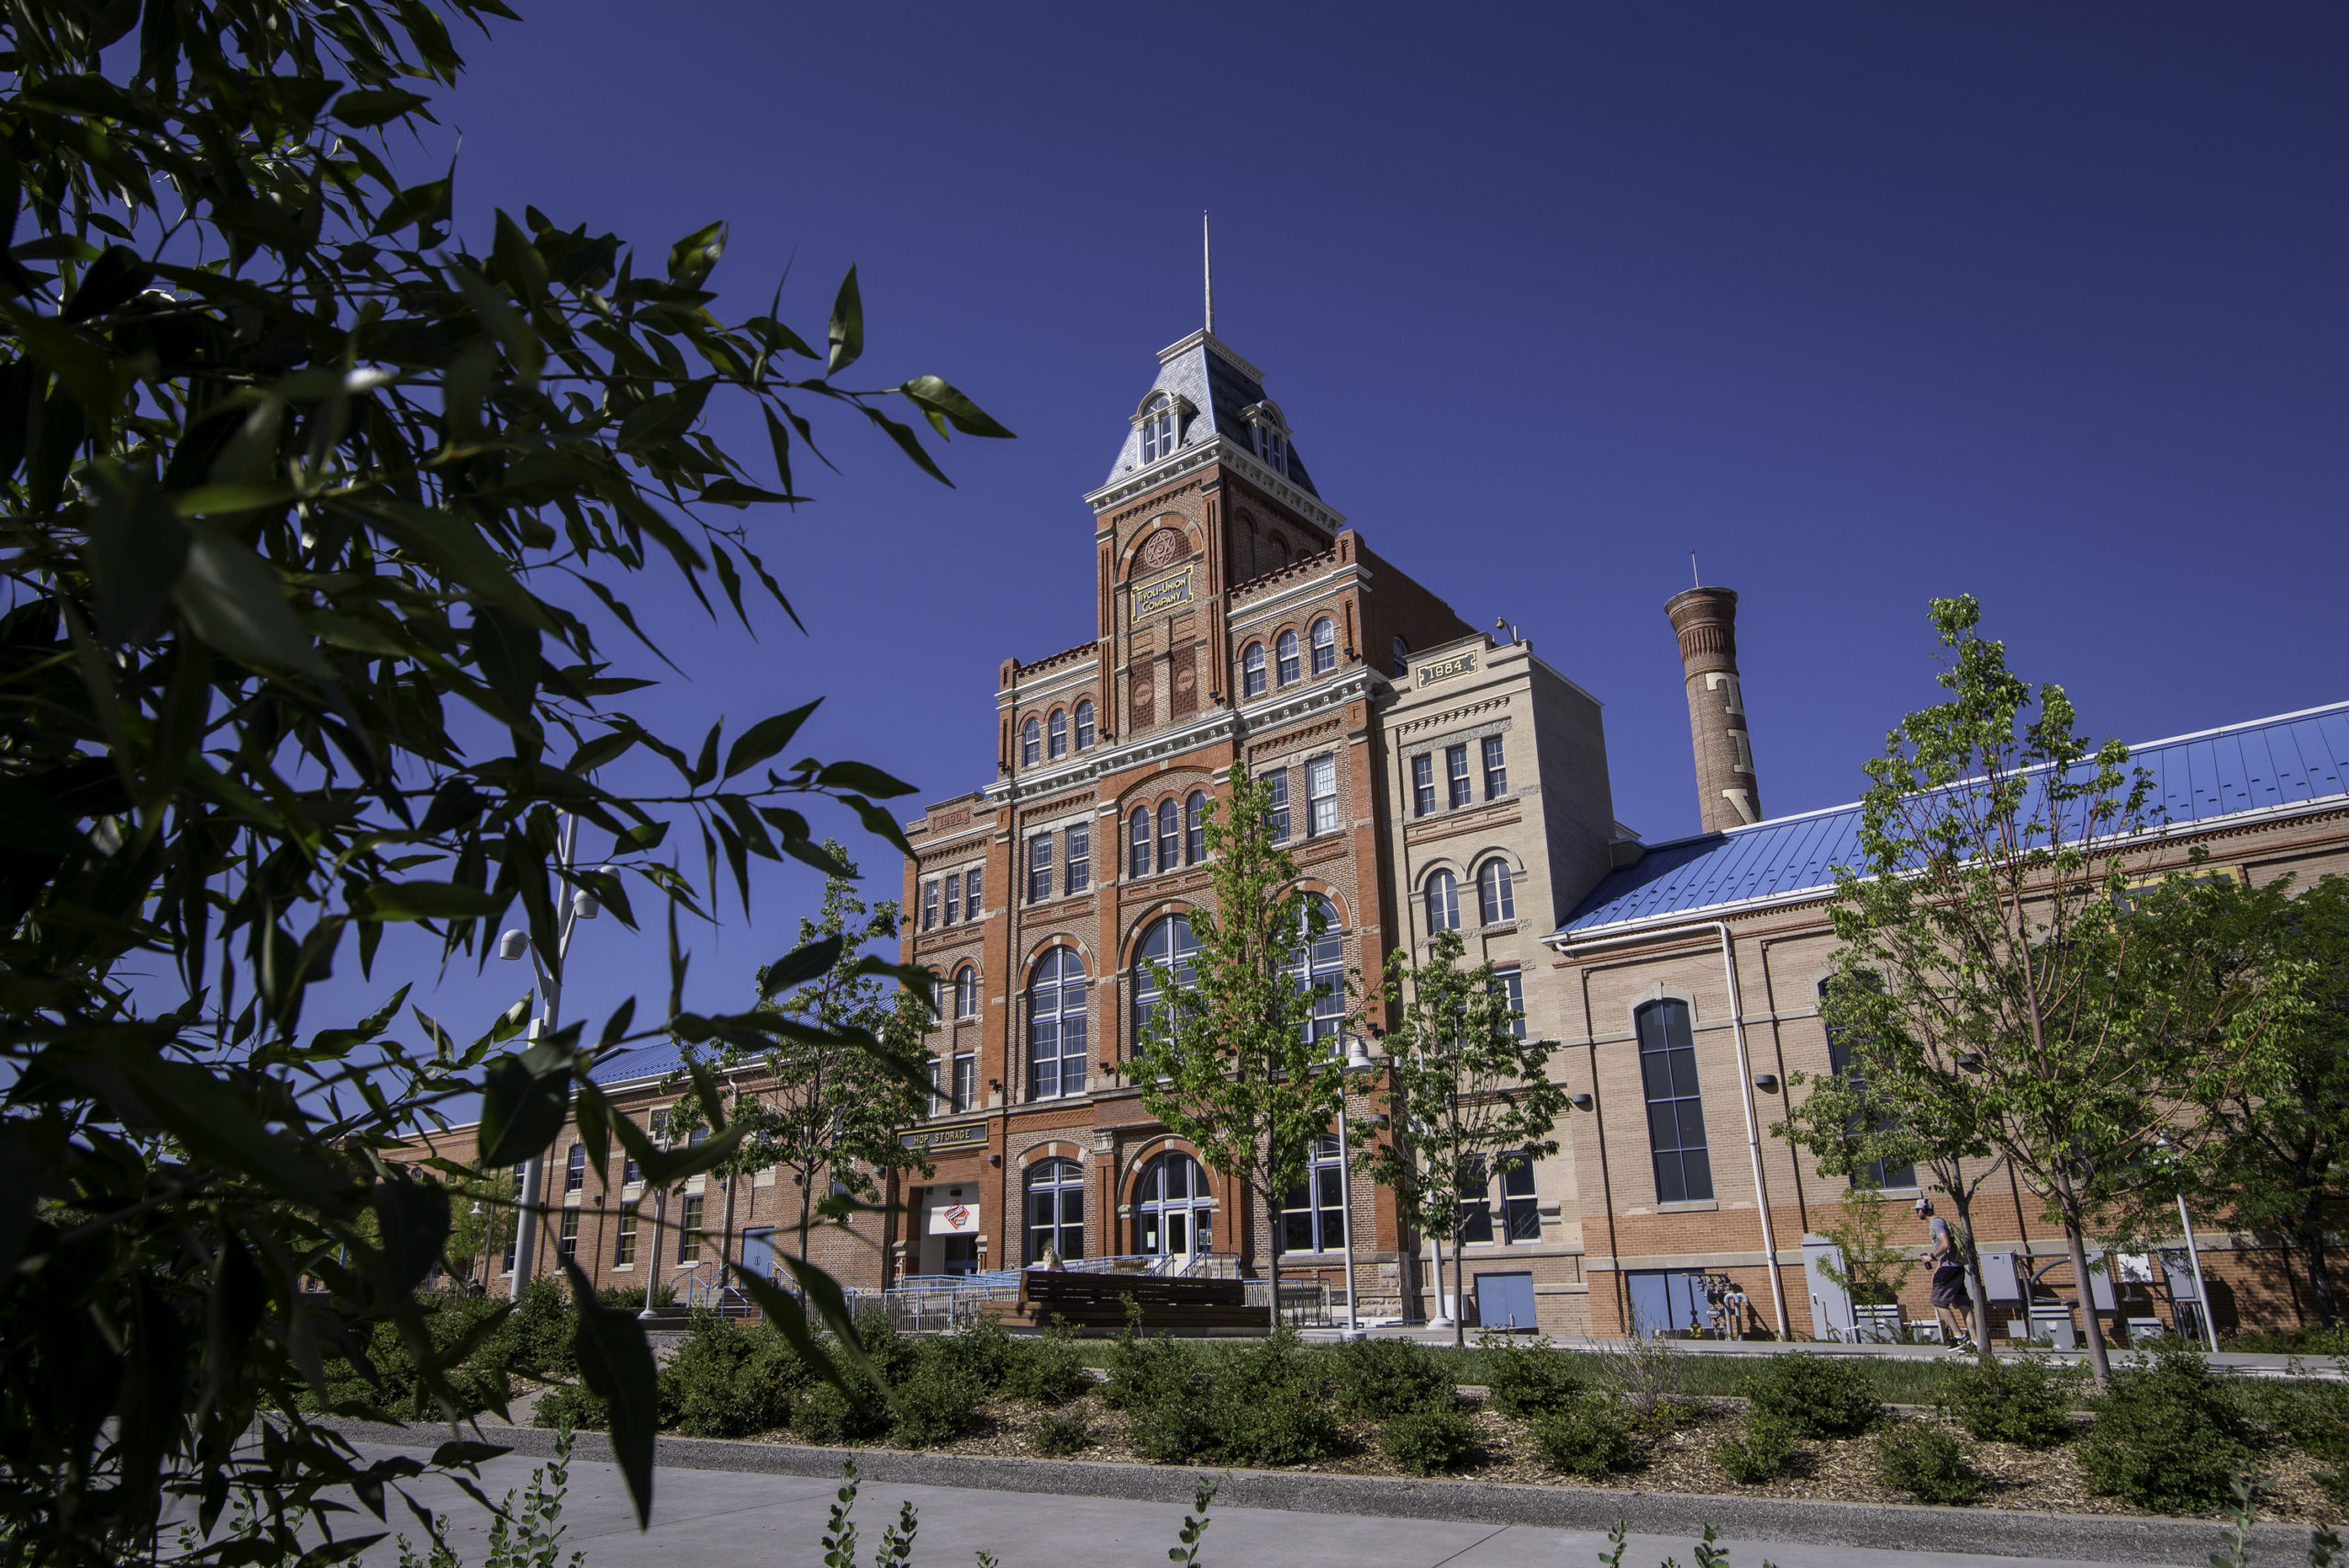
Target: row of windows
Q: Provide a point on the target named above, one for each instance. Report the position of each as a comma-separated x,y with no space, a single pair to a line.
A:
1049,737
1459,784
1322,645
951,900
687,1222
1496,897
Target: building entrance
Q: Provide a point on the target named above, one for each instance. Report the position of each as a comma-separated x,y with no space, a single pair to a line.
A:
1174,1215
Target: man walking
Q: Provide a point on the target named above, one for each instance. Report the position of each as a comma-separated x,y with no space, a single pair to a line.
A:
1953,1302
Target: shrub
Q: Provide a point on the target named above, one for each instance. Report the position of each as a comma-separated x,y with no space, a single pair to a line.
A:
2167,1438
1585,1437
1048,1369
1814,1396
2027,1403
1927,1464
1058,1432
631,1297
572,1405
1384,1378
2315,1417
1429,1441
979,1353
936,1404
1532,1380
894,1356
729,1380
1762,1449
1270,1405
826,1414
536,1339
1145,1372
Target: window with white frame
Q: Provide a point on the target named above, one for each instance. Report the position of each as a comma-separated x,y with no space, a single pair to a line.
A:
1031,744
1084,725
1284,655
1055,1209
1167,943
1322,794
1251,671
1324,639
1056,1042
689,1229
966,992
1170,835
1157,428
567,1237
624,1239
1137,853
574,1170
1509,980
1039,867
1424,785
1276,804
1076,868
1496,893
971,893
1496,768
1313,1212
1443,902
1318,967
1195,828
953,896
929,905
1273,447
1056,733
966,1079
1455,771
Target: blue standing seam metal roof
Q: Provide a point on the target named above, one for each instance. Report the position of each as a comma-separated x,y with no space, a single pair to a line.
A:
2296,758
644,1062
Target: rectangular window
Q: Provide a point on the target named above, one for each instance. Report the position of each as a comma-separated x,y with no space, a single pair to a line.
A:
1684,1171
1456,772
631,1171
1475,1201
1322,794
937,1101
1839,1061
689,1229
971,895
567,1236
1039,867
953,897
929,904
1510,983
1276,799
966,1081
1078,864
624,1248
1496,768
1521,1207
1424,785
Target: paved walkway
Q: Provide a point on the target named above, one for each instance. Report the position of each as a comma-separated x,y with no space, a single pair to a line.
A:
716,1519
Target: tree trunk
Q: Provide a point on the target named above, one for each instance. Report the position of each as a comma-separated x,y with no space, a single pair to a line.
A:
1963,1202
2312,1249
2075,1244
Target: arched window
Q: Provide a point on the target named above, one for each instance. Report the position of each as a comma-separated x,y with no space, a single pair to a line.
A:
1839,1059
1402,658
1174,1215
1496,893
1055,1209
966,992
1251,671
1318,967
1157,428
1056,1054
1031,744
1285,652
1169,841
1169,942
574,1172
1057,729
1195,828
1313,1213
1684,1170
1084,725
1443,902
1325,646
1138,855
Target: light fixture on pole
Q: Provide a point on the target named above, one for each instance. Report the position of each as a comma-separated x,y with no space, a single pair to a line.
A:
1357,1060
2193,1254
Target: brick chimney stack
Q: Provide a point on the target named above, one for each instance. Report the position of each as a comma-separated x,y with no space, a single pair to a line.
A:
1727,792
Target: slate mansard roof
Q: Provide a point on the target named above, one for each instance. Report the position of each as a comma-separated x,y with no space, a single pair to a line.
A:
1220,387
2294,761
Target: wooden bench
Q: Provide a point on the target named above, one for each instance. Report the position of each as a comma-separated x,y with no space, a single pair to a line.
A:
1095,1304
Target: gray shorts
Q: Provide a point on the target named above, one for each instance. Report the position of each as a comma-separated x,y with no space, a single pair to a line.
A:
1949,1288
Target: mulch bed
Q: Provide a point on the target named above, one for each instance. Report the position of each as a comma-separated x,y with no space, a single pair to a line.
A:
1675,1455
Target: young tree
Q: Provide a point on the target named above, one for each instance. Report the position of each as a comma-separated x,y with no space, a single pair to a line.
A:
1984,956
1243,1059
1467,1100
1869,1264
291,473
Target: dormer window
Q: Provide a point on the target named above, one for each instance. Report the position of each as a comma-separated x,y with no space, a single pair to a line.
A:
1270,433
1157,428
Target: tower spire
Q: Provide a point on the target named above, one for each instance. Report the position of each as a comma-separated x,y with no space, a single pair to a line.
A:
1207,271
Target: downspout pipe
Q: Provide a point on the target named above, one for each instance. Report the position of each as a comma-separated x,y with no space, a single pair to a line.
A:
1745,1083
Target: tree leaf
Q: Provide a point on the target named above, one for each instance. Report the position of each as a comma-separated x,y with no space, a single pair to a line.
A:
800,966
863,778
765,739
236,602
369,107
616,1363
931,394
524,1098
425,901
846,330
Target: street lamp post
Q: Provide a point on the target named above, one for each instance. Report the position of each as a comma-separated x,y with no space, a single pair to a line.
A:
580,906
1357,1060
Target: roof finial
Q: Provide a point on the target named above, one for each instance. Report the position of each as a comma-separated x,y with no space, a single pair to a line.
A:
1694,580
1207,271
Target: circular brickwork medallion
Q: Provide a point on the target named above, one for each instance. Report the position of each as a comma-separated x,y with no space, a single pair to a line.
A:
1166,545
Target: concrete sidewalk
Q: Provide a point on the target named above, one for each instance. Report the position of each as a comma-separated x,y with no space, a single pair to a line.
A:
716,1519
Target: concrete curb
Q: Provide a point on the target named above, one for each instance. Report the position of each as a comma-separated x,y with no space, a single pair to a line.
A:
1897,1528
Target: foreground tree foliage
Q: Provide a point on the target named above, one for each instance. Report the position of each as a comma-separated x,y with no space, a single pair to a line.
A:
302,500
1996,994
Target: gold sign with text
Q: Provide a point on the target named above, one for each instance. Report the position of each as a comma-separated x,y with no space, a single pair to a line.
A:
1445,669
1156,598
974,1136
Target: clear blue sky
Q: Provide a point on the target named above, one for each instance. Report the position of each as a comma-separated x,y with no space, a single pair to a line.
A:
1864,304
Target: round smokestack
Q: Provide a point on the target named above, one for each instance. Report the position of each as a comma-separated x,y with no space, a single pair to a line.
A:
1728,794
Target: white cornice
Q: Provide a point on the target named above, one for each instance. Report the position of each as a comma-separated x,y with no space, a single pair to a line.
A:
1232,455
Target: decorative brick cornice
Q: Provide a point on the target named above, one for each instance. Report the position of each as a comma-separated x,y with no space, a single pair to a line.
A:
1453,716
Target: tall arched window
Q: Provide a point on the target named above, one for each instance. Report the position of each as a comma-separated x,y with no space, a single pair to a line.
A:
1157,428
1084,725
1057,733
1031,744
1195,828
1056,1054
1684,1170
1138,855
1313,1216
1251,671
1496,893
1443,902
966,992
1284,653
1169,942
1055,1209
1319,965
1402,655
1169,841
1174,1215
1325,646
